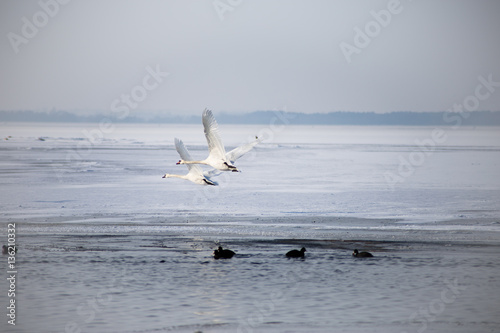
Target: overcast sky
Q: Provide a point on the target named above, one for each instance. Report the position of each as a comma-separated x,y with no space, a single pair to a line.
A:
246,55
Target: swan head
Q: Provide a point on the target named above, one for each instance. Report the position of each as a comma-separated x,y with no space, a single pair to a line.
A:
167,175
180,162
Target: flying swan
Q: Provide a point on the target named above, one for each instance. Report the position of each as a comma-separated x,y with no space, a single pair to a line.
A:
195,173
217,156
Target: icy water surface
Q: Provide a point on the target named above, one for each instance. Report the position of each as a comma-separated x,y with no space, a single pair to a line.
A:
107,245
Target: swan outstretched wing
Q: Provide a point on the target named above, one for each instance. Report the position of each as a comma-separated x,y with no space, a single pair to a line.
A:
237,152
184,154
215,146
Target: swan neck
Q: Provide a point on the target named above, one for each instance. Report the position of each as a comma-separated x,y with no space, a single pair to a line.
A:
194,162
175,176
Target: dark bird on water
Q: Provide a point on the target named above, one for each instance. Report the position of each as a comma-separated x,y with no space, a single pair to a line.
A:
223,253
296,253
358,254
9,249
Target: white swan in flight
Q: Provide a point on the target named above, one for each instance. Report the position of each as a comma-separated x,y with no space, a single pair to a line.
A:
217,157
195,173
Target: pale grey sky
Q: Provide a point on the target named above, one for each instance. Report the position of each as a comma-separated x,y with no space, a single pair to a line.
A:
246,55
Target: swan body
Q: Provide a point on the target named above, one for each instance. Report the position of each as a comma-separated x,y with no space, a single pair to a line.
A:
195,173
217,157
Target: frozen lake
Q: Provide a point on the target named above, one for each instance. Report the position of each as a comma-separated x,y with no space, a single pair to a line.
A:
107,245
341,171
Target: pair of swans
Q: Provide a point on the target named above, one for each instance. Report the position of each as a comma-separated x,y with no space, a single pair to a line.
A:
217,157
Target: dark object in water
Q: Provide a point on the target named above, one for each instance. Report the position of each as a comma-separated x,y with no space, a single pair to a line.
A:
5,249
223,254
358,254
296,253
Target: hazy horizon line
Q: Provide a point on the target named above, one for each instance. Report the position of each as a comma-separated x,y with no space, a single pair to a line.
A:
424,118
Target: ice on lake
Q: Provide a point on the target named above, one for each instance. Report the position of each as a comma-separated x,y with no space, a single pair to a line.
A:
95,220
340,171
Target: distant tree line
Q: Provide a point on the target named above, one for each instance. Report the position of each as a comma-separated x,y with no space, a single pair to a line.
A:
476,118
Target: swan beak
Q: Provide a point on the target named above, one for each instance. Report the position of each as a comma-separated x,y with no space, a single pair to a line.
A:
178,162
164,176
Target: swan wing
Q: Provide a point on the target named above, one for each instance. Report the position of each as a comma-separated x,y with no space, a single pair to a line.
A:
212,173
211,128
209,181
194,169
237,152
